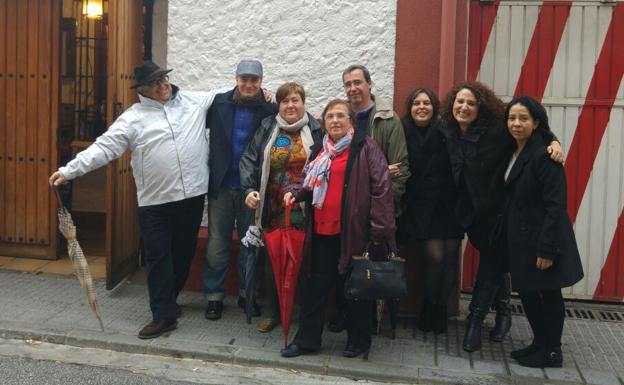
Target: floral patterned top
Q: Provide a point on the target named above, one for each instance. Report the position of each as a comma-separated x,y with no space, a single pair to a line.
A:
288,158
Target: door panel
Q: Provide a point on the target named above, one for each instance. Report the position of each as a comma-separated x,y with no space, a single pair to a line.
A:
29,71
125,38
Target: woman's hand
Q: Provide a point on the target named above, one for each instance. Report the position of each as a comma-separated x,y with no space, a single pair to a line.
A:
394,169
253,200
289,199
555,151
543,263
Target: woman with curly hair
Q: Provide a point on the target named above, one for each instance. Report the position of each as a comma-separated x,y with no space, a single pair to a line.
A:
428,216
479,145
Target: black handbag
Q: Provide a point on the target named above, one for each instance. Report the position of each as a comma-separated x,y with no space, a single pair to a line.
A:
370,280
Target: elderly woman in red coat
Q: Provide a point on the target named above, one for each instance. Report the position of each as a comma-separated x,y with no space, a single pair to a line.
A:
349,201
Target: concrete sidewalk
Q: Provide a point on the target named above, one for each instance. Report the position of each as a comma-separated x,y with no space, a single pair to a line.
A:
53,308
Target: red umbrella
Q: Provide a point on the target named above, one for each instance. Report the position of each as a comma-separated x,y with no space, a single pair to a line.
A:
285,247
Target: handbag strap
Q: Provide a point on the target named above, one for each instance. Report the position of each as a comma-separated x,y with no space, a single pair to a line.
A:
390,257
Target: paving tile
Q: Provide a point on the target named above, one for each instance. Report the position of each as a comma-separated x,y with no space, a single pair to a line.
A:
518,370
60,266
6,260
98,270
25,264
563,374
597,377
427,375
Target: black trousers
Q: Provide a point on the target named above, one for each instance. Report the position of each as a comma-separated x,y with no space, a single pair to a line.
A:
324,275
545,311
169,232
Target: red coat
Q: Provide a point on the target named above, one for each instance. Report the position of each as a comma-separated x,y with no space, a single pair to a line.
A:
367,203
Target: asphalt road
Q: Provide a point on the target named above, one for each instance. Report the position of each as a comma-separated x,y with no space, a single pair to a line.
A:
39,363
28,371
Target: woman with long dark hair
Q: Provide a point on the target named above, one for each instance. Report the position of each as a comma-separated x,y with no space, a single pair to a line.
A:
428,206
542,250
479,144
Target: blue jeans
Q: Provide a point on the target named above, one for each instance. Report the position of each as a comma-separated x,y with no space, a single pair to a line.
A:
223,213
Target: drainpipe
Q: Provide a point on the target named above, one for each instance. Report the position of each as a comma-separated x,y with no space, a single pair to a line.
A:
447,46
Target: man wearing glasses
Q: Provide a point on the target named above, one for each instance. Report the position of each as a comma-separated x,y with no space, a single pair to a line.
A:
166,133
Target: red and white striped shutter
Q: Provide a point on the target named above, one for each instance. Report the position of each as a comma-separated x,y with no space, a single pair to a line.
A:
569,55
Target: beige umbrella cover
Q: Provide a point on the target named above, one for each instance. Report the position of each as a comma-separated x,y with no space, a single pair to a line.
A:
79,262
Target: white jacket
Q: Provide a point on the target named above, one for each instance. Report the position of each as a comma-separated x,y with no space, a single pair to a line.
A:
169,144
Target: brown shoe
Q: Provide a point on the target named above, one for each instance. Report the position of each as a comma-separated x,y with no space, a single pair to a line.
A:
157,328
267,324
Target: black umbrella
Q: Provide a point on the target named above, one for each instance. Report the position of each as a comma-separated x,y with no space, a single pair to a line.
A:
252,241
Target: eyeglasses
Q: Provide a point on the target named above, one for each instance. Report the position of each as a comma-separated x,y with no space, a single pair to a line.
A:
157,82
336,116
355,83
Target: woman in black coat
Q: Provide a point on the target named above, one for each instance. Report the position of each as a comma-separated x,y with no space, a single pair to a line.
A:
428,214
542,251
479,146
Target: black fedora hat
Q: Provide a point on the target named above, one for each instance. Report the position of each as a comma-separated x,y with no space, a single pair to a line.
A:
147,72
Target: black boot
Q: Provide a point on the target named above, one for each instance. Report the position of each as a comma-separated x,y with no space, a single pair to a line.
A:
425,319
482,297
543,358
439,324
502,306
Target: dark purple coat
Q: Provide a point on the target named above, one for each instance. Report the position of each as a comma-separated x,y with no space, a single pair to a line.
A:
367,203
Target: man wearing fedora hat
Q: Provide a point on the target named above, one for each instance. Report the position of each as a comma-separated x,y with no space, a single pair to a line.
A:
166,132
232,119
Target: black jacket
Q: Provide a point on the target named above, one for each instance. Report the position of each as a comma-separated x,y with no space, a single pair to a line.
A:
219,120
478,161
250,166
430,196
537,224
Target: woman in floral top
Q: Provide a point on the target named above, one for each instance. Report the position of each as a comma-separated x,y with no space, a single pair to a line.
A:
273,159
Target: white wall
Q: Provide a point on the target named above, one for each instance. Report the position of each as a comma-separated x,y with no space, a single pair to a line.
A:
159,32
310,42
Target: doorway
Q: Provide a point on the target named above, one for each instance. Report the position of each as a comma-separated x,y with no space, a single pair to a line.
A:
83,112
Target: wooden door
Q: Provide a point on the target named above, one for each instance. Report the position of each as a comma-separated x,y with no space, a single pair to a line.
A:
125,51
29,81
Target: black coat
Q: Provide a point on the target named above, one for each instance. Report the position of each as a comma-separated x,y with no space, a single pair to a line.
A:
430,196
220,120
478,161
537,224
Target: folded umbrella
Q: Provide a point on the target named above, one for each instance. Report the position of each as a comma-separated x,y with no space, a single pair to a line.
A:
79,261
285,248
252,241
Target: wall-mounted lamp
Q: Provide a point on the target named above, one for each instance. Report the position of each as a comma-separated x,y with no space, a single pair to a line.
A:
93,9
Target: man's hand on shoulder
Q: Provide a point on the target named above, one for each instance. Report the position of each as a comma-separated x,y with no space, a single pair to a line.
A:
268,96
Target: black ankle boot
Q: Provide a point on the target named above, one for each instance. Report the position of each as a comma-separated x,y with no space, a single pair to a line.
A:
472,338
482,297
502,304
440,319
543,358
425,319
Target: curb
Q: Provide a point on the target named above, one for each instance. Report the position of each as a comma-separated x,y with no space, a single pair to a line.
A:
336,366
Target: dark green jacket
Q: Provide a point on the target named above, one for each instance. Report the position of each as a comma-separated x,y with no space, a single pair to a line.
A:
386,129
